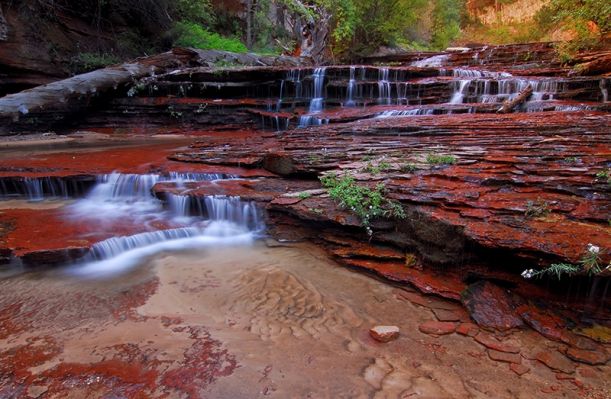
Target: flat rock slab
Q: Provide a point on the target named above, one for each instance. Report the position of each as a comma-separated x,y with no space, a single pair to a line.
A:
468,329
437,327
504,356
492,343
594,358
491,306
556,361
384,333
519,369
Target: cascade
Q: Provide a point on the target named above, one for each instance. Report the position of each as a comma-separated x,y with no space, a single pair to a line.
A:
317,101
351,88
431,62
40,188
384,90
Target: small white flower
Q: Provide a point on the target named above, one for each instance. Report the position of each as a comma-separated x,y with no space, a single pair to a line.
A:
593,249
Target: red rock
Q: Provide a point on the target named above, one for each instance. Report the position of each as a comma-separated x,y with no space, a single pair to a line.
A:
556,361
450,315
594,358
491,343
564,377
384,333
519,369
504,356
491,306
437,327
468,329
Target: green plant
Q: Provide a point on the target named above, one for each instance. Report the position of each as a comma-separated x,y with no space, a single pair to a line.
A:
571,160
85,62
434,159
173,113
304,195
366,203
538,208
590,263
190,34
316,211
604,176
377,168
408,168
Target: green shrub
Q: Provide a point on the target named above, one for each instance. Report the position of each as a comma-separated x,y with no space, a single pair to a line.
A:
364,202
190,34
85,62
434,159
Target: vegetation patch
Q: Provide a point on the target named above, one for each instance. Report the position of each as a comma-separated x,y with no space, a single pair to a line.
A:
190,34
537,209
364,202
590,263
435,159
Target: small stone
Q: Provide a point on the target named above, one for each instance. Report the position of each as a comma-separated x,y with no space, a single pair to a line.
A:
384,333
556,361
437,327
519,369
504,356
599,357
491,343
468,329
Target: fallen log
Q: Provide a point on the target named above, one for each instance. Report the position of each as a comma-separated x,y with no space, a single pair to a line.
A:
510,105
56,102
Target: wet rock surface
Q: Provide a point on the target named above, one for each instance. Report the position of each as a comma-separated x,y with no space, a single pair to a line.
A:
485,196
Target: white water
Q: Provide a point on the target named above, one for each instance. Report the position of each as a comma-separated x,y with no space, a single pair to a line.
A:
317,101
409,112
384,88
120,199
431,62
120,254
351,88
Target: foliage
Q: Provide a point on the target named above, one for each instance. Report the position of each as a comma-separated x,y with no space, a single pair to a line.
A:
538,208
579,16
190,34
375,169
304,195
589,263
408,168
446,22
85,62
604,176
435,159
364,202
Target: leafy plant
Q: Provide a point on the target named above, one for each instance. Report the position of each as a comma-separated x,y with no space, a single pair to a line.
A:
364,202
85,62
590,263
408,168
604,176
190,34
375,169
536,209
434,159
304,195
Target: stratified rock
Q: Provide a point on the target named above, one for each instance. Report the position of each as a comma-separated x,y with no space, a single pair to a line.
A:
468,329
384,333
437,327
492,343
504,356
491,306
594,358
556,361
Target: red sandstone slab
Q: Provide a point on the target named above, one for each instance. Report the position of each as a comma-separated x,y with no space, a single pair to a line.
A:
437,327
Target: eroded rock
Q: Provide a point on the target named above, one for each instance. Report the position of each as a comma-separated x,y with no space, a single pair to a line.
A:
384,333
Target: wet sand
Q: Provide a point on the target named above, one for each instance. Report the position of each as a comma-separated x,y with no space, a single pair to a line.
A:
245,322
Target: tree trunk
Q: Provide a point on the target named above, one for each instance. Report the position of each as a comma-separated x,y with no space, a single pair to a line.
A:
509,105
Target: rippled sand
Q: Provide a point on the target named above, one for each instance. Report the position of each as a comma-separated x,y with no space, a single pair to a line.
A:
245,322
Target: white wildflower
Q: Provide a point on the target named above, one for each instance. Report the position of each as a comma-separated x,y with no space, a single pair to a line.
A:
528,273
593,249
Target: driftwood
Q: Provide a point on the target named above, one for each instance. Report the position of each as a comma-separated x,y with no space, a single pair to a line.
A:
510,105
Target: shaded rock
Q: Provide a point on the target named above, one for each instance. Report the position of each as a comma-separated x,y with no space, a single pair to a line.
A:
556,361
504,356
491,306
384,333
594,358
450,315
437,327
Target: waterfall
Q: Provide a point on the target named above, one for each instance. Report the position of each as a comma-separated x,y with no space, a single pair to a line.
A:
460,89
317,101
604,90
384,89
408,112
351,88
431,62
41,188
